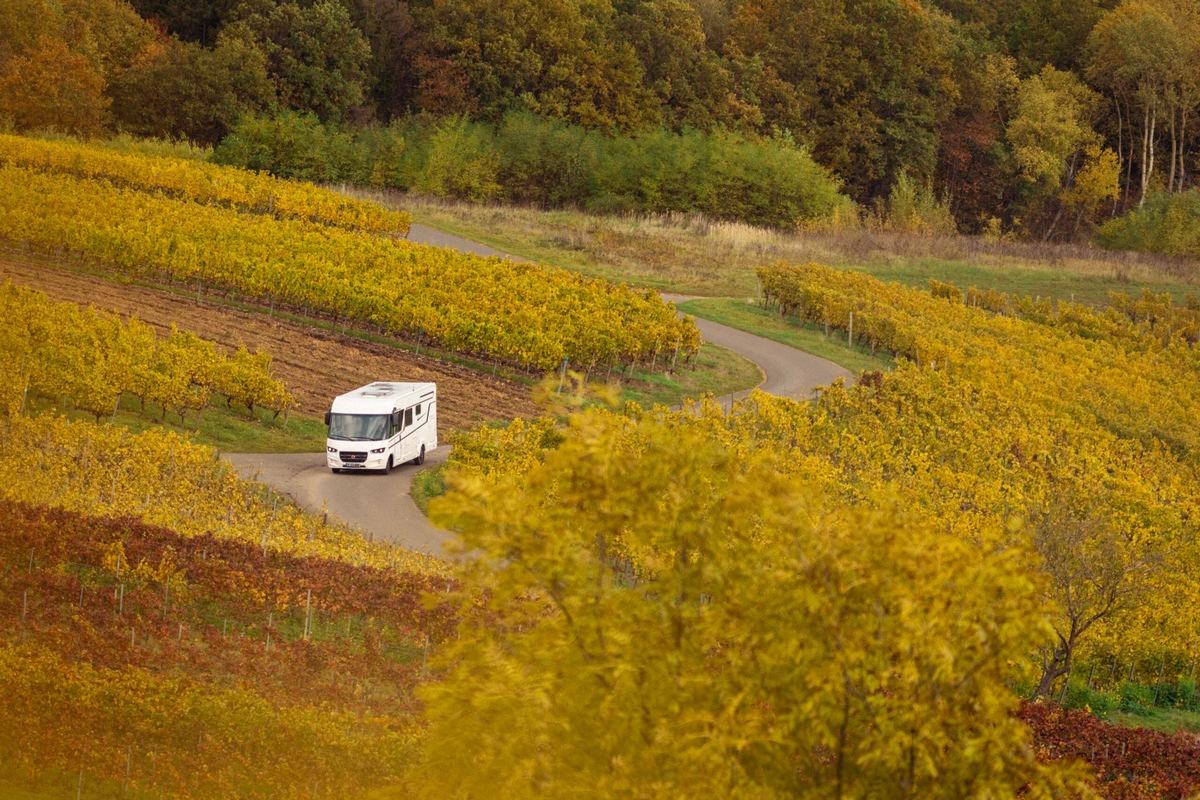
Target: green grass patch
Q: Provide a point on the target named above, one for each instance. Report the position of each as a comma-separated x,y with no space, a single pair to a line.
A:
715,370
1032,281
428,484
748,316
688,254
1166,720
231,430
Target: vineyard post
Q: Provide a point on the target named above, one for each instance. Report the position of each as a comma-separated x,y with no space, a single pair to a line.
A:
79,787
308,615
676,355
24,605
1132,664
1161,666
128,769
1062,698
850,335
1192,674
31,551
1090,676
654,356
562,376
166,595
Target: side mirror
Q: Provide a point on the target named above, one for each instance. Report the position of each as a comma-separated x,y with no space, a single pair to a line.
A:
328,416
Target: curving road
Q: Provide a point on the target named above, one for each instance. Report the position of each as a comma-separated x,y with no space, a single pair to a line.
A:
381,506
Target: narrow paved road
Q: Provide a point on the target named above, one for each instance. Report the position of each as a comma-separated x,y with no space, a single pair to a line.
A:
381,506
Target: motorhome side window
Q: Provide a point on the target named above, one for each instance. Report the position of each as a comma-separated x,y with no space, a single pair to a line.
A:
418,409
408,418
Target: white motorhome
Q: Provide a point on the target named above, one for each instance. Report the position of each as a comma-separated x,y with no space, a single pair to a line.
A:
381,425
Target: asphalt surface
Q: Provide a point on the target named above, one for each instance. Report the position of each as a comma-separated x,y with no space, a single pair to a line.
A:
381,506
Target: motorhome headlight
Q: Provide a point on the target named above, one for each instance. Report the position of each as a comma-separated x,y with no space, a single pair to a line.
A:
329,449
379,449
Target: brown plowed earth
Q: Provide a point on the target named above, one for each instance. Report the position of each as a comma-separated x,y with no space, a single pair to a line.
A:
315,364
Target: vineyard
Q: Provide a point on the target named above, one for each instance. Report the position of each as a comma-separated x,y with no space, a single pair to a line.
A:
90,359
164,479
194,666
1079,424
203,636
518,313
1051,439
201,182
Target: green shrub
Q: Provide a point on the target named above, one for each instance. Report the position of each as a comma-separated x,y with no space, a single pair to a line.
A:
1185,695
530,159
1136,698
292,145
1167,223
1098,702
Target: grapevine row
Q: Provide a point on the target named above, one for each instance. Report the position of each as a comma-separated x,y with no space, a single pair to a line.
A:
119,593
164,479
1104,362
500,309
171,737
92,358
1005,424
204,183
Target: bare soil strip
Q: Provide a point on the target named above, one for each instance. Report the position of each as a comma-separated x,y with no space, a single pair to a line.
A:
315,364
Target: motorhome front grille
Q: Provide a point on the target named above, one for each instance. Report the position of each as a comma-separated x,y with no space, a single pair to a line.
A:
350,457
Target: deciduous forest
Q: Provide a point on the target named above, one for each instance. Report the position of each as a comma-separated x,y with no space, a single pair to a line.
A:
1039,119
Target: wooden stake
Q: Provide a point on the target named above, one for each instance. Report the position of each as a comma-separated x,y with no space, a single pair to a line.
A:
308,616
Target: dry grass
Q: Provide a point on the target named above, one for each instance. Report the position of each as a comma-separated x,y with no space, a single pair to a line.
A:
691,254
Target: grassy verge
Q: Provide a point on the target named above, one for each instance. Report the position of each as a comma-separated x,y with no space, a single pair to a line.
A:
689,254
792,331
1167,720
231,430
428,484
715,370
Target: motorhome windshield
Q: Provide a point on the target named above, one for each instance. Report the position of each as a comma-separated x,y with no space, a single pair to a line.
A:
359,427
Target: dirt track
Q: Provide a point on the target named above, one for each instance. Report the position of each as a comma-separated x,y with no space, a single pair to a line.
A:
315,364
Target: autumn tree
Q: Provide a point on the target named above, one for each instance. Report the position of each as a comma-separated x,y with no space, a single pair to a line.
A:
658,615
23,22
49,87
692,83
181,89
1095,571
865,82
975,167
1035,33
560,59
1146,55
1056,148
315,56
391,32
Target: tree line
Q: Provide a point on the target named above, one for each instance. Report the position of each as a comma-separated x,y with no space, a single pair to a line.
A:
1041,119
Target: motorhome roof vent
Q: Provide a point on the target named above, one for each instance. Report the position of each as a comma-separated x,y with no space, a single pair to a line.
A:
377,390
